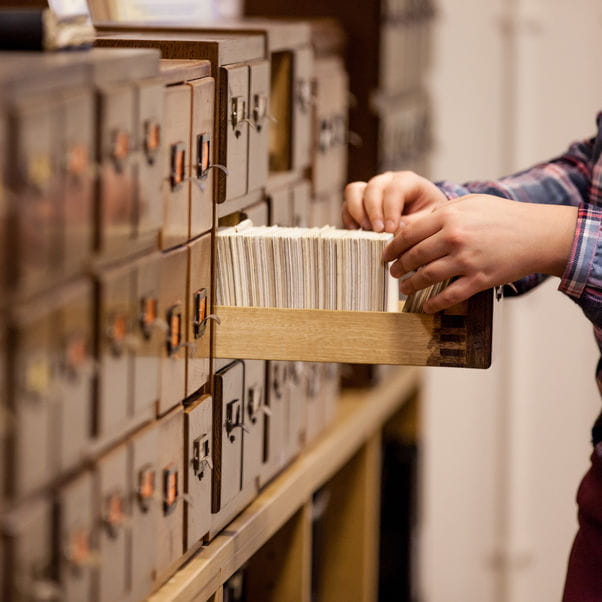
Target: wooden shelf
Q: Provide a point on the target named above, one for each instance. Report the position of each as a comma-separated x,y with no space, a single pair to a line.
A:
460,337
360,414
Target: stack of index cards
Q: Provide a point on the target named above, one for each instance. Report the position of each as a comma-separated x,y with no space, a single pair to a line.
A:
304,268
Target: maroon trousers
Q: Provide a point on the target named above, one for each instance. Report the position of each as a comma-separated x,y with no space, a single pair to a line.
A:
584,574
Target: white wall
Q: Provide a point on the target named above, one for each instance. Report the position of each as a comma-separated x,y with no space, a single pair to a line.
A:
504,450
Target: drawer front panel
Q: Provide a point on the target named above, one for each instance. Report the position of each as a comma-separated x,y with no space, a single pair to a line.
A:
172,309
116,319
113,524
28,541
76,374
274,453
199,466
200,329
75,538
33,403
116,144
301,204
259,111
234,132
176,150
149,336
145,489
170,528
302,108
203,153
227,434
281,207
35,177
78,146
150,97
297,410
255,412
329,159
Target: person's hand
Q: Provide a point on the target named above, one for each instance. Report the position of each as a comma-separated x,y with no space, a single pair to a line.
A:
378,204
483,241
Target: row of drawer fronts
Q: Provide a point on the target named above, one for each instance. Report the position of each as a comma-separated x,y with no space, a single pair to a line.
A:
138,362
146,349
133,500
142,193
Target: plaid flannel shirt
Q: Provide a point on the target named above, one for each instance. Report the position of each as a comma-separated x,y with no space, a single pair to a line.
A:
574,178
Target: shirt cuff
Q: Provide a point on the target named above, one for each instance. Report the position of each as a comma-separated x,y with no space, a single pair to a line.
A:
451,190
585,260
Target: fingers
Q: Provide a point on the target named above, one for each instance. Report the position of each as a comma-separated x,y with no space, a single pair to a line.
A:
373,200
458,291
348,220
421,255
354,204
413,229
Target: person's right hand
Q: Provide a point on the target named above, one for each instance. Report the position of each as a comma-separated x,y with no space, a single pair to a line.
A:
379,204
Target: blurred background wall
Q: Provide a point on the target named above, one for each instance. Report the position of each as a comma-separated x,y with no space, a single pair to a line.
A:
513,83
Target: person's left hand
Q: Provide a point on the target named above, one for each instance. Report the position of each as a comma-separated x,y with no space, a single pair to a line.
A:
483,241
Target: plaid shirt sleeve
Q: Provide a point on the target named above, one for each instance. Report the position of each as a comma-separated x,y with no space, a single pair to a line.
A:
571,179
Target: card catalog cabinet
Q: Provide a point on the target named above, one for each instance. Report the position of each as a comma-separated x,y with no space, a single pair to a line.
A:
230,57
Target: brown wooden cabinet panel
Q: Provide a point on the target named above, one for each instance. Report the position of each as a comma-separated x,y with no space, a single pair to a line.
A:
172,310
203,142
227,434
74,538
177,157
234,138
199,469
200,328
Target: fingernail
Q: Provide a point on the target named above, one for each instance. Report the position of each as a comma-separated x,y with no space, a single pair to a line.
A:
390,225
366,225
378,225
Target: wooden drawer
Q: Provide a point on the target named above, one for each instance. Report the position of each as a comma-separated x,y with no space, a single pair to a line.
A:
33,398
144,482
259,111
148,218
177,151
172,309
27,536
199,327
227,434
114,331
169,543
255,412
117,170
74,509
234,138
302,107
113,524
149,337
276,424
78,145
329,157
460,336
203,150
198,436
297,409
34,175
76,373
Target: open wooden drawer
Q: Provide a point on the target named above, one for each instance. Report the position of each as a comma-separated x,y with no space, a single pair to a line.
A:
460,336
